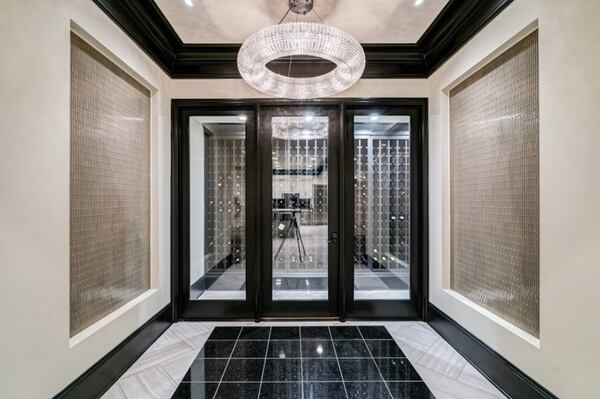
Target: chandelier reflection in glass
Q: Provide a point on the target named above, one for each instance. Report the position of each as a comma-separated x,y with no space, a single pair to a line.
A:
301,39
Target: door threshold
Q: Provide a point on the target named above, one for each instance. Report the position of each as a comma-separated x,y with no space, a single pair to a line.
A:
288,318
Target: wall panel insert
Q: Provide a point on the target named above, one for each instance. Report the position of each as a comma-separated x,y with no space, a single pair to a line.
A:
494,183
109,187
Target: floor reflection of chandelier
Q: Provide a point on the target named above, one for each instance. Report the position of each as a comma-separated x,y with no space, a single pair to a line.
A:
301,39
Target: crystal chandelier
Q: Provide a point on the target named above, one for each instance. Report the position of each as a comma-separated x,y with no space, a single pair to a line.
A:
301,39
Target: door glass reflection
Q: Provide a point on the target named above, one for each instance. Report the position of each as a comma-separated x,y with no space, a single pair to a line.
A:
381,207
217,208
300,207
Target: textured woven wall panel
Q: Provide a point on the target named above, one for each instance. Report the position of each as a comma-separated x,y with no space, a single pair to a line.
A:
109,187
494,180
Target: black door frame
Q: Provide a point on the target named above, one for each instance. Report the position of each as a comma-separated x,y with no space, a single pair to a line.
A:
312,309
182,109
416,307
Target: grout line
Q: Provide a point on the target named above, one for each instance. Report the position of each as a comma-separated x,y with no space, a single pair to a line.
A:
301,360
376,365
338,362
227,364
462,368
160,367
307,339
120,388
426,351
297,382
305,358
264,363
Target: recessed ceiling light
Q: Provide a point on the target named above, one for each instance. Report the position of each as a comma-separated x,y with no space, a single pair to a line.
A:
188,3
374,117
417,3
309,118
243,118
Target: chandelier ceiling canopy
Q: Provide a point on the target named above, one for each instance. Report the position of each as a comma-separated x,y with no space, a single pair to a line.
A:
298,39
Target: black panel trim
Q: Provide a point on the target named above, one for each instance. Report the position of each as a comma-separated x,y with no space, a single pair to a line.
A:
513,382
458,22
96,380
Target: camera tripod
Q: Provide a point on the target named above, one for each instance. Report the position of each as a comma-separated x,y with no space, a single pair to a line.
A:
296,227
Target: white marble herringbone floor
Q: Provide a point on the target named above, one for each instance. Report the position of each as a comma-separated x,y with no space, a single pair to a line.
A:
158,372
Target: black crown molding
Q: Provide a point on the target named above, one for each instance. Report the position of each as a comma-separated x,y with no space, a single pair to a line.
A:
458,22
513,382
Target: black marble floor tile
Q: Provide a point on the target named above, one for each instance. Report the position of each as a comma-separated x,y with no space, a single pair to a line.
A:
317,348
225,333
195,390
280,391
237,390
359,370
255,349
321,370
322,390
351,348
203,370
285,333
284,349
244,370
345,332
384,348
374,332
410,390
314,333
284,370
362,390
301,363
397,369
255,333
217,349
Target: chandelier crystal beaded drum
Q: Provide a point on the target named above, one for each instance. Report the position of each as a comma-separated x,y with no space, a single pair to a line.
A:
296,39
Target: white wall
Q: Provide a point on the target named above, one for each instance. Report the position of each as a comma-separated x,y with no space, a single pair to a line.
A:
34,176
38,359
565,360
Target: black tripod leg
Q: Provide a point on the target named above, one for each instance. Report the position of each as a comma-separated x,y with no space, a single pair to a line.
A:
285,233
297,230
301,241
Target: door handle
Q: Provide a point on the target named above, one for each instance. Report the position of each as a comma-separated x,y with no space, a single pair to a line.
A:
333,238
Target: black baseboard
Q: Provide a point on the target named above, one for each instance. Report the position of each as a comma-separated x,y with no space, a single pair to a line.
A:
101,376
503,374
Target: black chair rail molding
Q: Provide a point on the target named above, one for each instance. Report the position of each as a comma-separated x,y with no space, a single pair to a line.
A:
513,382
144,22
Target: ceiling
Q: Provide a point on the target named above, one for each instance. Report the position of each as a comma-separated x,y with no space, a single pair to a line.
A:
232,21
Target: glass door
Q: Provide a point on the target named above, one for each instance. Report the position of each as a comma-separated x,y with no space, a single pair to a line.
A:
218,238
299,151
384,208
299,210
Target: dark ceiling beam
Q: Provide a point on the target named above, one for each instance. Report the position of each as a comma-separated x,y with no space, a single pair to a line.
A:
144,22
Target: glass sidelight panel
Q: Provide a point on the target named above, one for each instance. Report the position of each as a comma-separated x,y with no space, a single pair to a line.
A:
381,207
300,207
217,208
